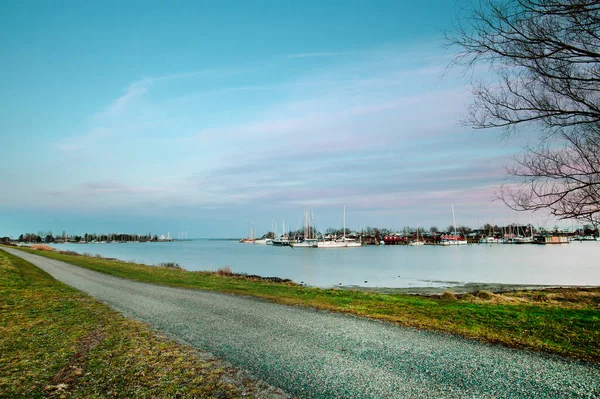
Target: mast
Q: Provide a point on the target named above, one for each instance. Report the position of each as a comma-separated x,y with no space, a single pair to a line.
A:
530,226
314,229
306,225
344,236
453,219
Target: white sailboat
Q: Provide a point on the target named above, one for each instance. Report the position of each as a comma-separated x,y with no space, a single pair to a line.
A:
343,243
491,237
269,241
307,241
417,242
454,238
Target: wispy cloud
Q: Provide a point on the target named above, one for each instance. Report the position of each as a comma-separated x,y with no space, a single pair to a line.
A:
135,90
76,146
111,187
321,54
377,130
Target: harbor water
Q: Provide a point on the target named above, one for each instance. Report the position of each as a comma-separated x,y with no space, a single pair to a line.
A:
577,263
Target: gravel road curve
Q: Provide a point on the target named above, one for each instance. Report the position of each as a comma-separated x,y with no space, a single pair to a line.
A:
316,354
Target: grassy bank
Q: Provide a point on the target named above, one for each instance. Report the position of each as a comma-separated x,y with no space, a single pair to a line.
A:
58,342
562,321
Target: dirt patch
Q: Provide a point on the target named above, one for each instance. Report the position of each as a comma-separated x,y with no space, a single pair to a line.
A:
42,247
65,379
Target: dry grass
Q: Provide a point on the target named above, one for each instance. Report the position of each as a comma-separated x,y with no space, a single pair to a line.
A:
448,296
563,297
485,295
224,271
72,253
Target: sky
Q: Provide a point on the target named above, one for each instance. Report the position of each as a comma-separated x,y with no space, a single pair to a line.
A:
207,117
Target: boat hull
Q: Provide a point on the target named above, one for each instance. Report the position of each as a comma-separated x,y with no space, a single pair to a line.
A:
453,242
305,244
338,244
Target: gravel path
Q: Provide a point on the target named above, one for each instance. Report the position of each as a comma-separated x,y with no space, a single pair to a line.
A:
316,354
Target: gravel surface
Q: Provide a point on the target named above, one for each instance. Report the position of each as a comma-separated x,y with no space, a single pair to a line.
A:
316,354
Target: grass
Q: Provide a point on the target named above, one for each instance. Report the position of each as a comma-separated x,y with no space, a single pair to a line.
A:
56,342
565,322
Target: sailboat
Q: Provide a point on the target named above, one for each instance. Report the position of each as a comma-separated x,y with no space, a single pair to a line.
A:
491,237
269,241
454,238
307,242
417,242
283,240
343,243
525,239
250,239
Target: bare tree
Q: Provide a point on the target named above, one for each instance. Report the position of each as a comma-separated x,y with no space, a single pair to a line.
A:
564,179
545,57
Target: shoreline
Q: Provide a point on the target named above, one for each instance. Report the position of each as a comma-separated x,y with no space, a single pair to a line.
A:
466,288
455,287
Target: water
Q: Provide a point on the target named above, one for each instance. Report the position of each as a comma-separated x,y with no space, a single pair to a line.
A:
375,266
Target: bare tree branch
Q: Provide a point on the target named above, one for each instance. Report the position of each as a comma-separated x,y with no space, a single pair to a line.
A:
545,55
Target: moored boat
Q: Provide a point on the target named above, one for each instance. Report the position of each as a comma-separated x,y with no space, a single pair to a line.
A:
308,243
417,242
454,238
344,242
282,241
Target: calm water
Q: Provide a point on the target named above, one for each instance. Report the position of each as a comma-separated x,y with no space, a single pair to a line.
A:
577,263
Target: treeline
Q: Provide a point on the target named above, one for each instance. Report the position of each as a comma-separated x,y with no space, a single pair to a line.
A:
373,232
484,231
48,238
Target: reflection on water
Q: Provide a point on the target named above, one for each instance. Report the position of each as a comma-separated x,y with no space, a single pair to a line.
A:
392,266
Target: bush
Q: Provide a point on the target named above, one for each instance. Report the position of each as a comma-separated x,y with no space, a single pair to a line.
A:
171,265
448,296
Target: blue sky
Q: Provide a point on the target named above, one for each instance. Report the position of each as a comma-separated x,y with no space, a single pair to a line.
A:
206,116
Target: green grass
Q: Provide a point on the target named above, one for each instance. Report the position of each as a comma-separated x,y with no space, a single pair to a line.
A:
58,342
565,322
